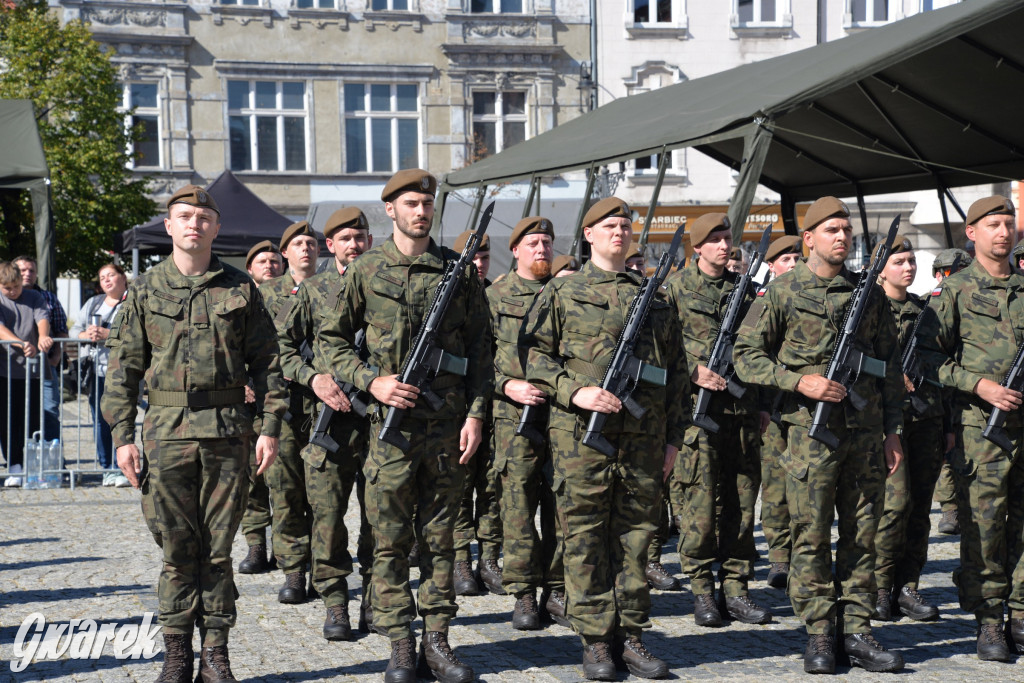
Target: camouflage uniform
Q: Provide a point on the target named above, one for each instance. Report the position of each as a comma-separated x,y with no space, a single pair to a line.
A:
605,504
788,324
329,477
945,489
480,520
195,339
901,543
286,478
981,320
389,293
774,508
531,559
725,464
256,517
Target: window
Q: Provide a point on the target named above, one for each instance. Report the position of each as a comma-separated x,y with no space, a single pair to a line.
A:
315,4
267,120
757,12
870,11
652,11
496,6
252,3
499,121
383,5
145,100
647,164
382,123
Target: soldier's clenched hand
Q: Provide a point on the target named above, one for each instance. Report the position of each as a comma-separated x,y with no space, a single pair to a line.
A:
893,453
711,381
998,395
819,388
470,438
523,393
598,399
390,392
130,462
266,452
328,391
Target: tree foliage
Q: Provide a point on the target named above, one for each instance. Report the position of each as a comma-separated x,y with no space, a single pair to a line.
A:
75,90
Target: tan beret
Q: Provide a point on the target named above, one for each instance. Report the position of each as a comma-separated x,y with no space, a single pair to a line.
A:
293,231
563,262
348,217
989,206
528,225
634,251
409,180
899,243
788,244
823,209
265,245
607,208
736,254
707,224
460,242
195,196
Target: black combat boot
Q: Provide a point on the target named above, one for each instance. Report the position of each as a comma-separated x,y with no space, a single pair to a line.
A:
992,646
293,592
214,666
705,611
489,572
1015,635
402,665
255,561
179,659
743,608
437,658
630,654
866,652
598,664
336,625
465,582
820,654
525,616
660,579
553,607
883,605
778,575
910,602
950,523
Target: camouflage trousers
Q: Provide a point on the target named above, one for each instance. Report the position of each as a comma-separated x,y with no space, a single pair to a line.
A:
726,464
945,489
604,507
662,519
821,482
193,497
774,509
532,559
257,515
427,481
990,501
901,543
481,521
292,514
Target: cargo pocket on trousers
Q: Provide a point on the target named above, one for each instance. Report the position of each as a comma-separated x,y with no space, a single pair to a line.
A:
795,467
688,458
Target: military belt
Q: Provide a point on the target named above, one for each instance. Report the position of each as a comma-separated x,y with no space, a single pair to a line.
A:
582,367
197,400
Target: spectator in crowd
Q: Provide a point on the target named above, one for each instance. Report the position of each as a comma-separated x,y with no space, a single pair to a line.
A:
24,322
58,328
94,325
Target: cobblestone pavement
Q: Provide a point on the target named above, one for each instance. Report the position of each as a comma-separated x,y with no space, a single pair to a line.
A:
86,554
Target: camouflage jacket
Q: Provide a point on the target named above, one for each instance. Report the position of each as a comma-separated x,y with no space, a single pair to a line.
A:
700,302
184,334
389,294
980,326
299,326
576,322
510,300
792,331
279,295
906,313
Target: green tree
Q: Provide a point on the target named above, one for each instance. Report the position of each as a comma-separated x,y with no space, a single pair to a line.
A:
74,86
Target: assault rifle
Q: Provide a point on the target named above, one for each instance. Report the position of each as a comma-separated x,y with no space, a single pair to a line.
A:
625,370
720,358
1014,379
528,425
427,358
847,360
359,399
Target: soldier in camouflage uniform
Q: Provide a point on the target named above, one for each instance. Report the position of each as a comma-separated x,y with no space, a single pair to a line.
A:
605,503
388,291
196,331
482,521
263,262
329,476
785,343
293,516
901,543
532,560
981,324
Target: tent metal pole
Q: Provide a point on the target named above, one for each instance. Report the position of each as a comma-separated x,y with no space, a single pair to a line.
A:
539,183
529,196
945,216
442,200
862,208
955,203
649,218
135,254
574,250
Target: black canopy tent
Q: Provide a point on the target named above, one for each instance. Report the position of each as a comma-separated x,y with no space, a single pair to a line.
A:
23,167
928,102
